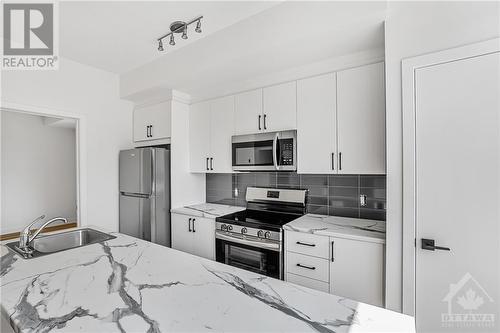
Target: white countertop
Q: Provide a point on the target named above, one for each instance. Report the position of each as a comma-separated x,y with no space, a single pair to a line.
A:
335,226
130,285
209,210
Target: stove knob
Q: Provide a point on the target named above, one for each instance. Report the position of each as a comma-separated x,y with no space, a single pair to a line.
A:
244,230
260,233
267,235
229,227
223,227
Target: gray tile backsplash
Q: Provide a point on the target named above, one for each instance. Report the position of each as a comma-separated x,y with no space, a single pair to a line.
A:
336,195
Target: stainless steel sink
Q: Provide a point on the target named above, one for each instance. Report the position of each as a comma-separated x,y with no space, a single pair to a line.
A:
43,245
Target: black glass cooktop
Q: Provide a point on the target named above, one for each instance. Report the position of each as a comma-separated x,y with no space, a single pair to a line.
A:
259,219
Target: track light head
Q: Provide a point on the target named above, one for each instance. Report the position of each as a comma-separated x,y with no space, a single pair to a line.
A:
160,46
185,32
198,27
172,41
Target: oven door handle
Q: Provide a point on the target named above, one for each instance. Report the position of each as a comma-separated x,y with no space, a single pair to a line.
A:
275,152
274,246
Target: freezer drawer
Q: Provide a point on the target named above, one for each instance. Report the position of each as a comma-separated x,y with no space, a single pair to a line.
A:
135,216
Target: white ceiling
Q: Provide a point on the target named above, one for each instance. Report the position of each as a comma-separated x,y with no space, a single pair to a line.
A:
118,36
285,36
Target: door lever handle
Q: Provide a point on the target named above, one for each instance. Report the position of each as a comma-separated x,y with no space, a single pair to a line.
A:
428,244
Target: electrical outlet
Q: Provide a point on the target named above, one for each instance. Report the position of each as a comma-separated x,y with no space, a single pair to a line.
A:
362,200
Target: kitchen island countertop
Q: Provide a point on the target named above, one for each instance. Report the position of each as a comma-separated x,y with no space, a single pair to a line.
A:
129,285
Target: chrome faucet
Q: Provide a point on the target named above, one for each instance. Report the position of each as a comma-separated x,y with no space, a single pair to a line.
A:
25,239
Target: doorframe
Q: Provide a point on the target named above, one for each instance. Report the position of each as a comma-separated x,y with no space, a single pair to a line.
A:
81,156
408,68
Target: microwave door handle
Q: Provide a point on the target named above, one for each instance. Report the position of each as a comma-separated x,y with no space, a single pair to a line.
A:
275,152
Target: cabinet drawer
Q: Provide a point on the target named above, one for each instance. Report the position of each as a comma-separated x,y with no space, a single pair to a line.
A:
310,267
307,282
311,245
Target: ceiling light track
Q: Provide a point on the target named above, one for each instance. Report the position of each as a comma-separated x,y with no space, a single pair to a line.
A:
179,27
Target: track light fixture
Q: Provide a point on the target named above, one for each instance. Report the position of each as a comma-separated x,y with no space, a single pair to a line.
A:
178,27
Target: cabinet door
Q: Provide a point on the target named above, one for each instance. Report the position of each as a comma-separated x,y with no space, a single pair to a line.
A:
199,136
357,270
280,107
182,238
361,120
204,238
316,125
247,109
221,130
160,120
141,123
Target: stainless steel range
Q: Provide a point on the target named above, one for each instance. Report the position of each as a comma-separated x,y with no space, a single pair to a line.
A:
253,239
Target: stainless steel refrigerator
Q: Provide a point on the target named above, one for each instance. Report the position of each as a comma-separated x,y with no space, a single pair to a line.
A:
145,194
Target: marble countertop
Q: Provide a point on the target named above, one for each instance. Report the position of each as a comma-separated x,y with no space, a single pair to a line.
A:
130,285
209,210
335,226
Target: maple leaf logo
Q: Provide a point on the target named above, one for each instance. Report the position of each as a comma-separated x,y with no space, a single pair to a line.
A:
470,301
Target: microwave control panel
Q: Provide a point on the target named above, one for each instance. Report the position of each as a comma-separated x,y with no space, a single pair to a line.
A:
286,149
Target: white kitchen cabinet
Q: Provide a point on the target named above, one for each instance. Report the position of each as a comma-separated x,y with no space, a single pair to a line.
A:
280,107
269,109
317,125
361,120
342,266
195,235
357,270
248,112
210,131
199,137
152,122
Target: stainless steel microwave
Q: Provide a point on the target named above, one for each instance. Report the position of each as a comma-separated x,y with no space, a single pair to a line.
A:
273,151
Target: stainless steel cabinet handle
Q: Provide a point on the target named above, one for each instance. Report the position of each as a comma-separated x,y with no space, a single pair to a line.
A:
340,161
147,131
333,161
207,163
189,224
305,244
308,267
265,126
259,122
333,256
193,225
150,131
211,163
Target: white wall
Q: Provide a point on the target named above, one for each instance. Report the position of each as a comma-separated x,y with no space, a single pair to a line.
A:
415,28
38,171
92,94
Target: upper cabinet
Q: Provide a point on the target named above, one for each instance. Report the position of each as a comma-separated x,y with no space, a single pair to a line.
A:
152,122
341,122
361,120
210,131
280,107
316,124
248,112
269,109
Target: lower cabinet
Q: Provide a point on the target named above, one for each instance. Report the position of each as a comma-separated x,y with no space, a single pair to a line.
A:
345,267
195,235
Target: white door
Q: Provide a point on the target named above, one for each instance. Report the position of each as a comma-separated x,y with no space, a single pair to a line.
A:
361,120
248,112
280,107
141,123
357,270
199,137
316,125
160,120
204,237
182,235
221,130
457,202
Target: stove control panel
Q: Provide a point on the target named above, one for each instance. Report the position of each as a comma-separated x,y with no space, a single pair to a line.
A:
248,231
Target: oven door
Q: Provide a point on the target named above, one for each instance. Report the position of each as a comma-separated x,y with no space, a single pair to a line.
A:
259,256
